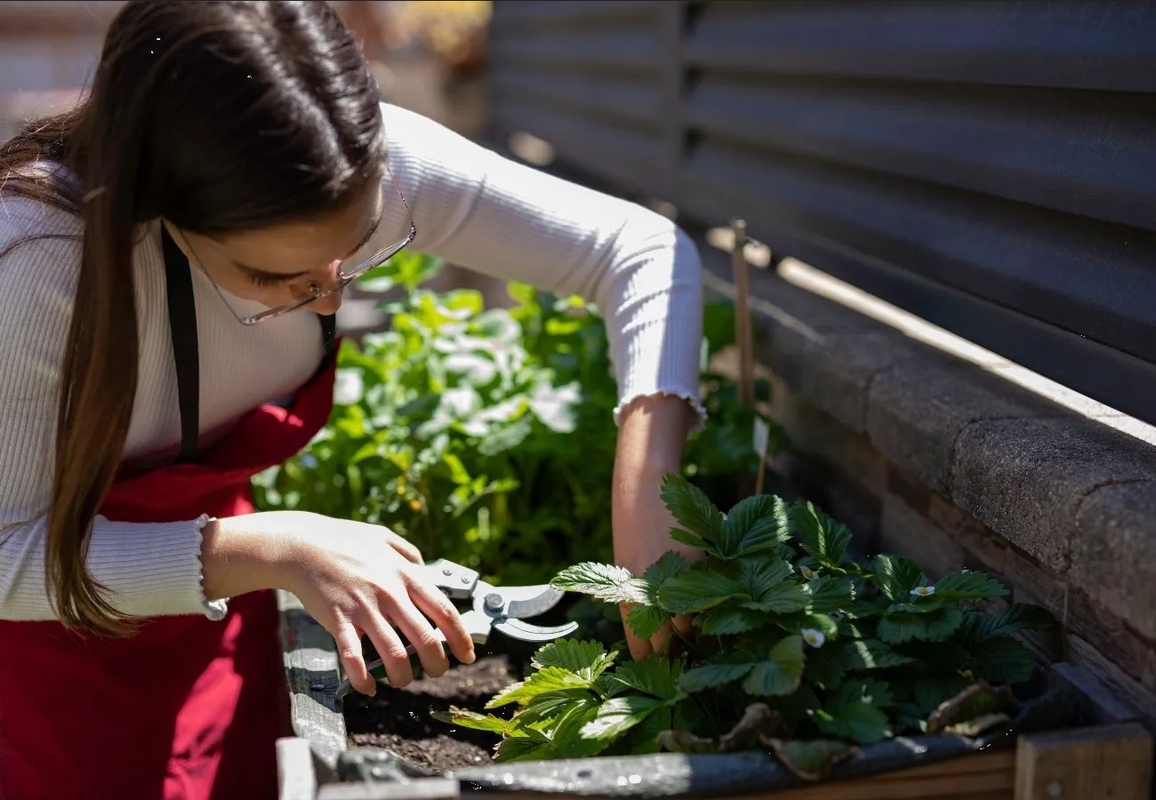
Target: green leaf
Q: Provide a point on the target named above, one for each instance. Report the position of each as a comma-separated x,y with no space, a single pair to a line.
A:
692,540
645,621
829,594
873,692
822,537
824,668
618,715
897,577
730,621
786,598
666,567
797,623
1001,660
968,586
656,676
547,706
567,740
643,738
549,679
1012,618
929,693
921,606
473,720
871,654
521,748
586,659
810,760
858,721
605,582
754,525
696,590
935,626
781,673
758,576
720,671
691,508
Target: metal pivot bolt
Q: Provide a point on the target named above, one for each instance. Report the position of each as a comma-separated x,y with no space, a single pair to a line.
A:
494,602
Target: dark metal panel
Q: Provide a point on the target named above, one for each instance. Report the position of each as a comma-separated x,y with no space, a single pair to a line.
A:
988,166
1078,274
599,50
1085,153
615,99
1105,374
1102,44
517,14
626,157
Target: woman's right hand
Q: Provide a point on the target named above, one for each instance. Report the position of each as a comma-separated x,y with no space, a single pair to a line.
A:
352,577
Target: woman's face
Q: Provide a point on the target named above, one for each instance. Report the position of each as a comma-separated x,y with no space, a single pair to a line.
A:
277,264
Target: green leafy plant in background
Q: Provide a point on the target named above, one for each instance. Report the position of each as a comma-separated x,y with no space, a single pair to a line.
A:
486,435
797,648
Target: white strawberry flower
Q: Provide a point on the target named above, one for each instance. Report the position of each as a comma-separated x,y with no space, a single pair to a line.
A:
807,572
923,591
813,637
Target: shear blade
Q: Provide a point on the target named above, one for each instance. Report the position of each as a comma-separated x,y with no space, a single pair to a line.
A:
530,601
528,632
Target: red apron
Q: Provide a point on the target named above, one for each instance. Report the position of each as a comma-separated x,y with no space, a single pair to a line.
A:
188,708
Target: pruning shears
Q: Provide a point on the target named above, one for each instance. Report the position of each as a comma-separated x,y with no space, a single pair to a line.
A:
493,608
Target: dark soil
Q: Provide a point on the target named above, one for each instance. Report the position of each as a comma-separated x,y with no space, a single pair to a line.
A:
399,720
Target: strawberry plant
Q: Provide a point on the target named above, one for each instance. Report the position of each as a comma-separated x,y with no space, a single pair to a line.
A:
486,436
796,648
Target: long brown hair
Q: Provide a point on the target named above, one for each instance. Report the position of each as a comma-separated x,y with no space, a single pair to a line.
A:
220,117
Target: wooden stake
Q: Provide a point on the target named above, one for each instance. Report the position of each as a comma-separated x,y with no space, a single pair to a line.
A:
742,279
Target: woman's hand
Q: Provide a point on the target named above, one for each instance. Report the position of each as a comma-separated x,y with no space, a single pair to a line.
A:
352,577
651,439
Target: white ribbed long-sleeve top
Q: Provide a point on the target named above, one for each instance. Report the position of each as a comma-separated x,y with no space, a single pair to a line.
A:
471,207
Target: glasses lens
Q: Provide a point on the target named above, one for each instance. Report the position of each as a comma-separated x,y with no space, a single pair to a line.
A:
359,265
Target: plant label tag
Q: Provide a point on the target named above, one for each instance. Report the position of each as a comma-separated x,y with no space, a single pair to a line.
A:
762,437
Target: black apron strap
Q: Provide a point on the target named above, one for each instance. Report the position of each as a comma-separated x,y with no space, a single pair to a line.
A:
328,331
186,353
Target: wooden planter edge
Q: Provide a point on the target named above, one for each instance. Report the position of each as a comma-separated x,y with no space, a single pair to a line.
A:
1109,757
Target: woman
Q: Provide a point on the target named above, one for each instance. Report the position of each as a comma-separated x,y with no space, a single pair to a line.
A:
171,257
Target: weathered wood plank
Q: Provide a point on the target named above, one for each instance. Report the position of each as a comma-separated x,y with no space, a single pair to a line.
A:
1097,703
1085,764
419,789
311,672
296,778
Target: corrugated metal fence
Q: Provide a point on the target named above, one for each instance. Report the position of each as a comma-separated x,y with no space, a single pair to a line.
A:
989,166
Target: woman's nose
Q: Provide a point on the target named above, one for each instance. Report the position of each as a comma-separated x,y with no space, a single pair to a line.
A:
327,305
328,282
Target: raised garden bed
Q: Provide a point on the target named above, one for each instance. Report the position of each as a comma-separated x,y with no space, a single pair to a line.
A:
812,674
816,674
1078,743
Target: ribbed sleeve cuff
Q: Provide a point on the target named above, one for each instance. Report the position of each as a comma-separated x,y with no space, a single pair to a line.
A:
152,570
655,359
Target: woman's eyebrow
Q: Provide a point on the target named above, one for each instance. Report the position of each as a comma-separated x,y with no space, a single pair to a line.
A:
369,233
266,274
288,276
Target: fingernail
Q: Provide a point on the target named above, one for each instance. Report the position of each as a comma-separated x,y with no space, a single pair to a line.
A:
472,656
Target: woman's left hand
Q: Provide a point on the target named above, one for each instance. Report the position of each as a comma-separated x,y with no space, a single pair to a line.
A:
651,440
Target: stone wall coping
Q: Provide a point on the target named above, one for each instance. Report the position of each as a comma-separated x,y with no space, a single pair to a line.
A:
1065,479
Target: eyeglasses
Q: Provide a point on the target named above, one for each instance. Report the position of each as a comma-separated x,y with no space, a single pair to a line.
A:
345,275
